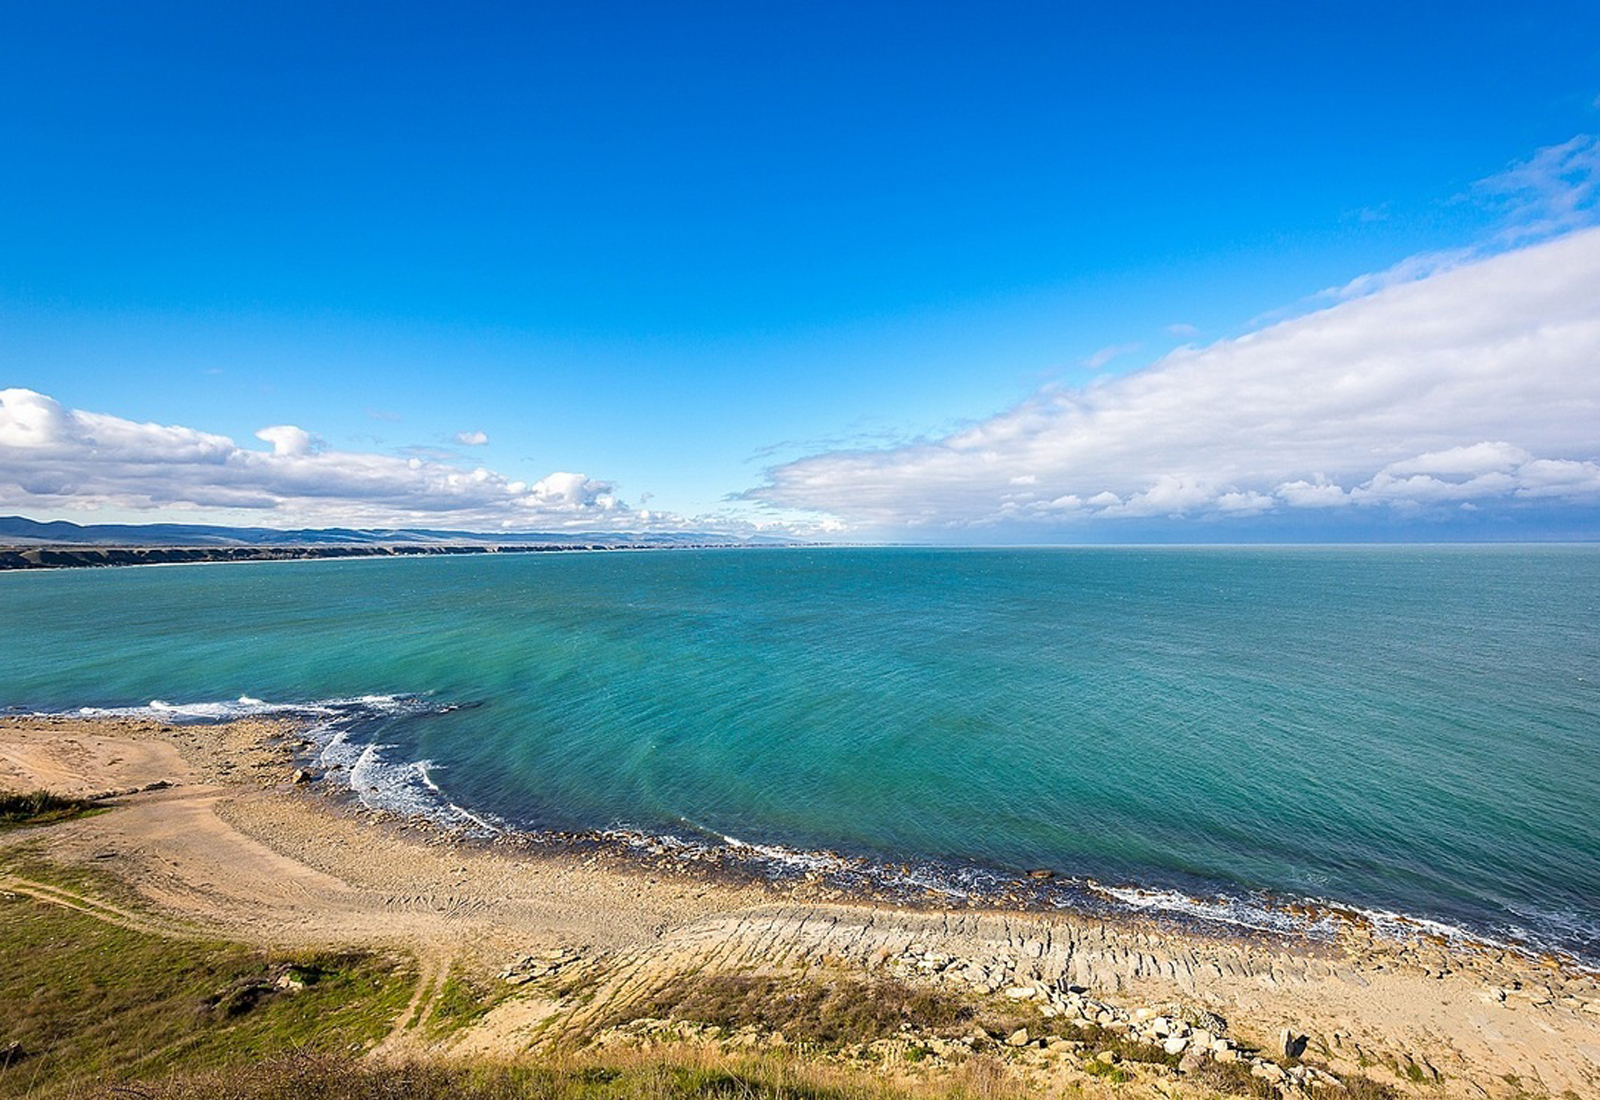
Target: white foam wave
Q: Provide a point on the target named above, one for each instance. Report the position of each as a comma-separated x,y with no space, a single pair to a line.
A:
1233,911
245,706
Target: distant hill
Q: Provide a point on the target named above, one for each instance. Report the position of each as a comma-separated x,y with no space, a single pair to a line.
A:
19,531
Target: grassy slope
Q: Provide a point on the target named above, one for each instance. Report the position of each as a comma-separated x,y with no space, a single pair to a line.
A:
86,1002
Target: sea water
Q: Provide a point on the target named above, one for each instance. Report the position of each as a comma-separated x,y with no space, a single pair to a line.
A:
1408,730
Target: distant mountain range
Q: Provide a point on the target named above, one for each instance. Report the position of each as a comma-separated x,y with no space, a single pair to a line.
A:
17,531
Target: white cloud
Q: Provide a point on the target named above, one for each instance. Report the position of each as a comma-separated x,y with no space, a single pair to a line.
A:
1477,383
472,439
1555,190
53,458
1106,354
1183,330
286,439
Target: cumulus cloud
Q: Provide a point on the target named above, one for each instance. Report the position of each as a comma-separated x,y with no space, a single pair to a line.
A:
472,439
286,439
1474,385
53,458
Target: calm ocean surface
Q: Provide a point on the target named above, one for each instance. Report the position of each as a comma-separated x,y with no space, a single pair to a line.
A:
1414,730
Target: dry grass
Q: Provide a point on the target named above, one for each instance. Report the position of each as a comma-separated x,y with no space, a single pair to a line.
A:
815,1013
18,808
656,1075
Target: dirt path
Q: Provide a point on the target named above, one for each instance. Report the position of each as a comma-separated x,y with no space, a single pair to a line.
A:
407,1037
92,907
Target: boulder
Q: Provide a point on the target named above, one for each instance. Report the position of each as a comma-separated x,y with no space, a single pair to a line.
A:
1175,1045
1018,1038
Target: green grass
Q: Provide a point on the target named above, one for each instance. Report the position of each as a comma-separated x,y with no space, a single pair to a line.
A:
86,1001
1107,1071
19,808
26,860
462,1002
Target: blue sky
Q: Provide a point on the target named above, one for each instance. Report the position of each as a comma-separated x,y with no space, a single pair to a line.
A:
878,271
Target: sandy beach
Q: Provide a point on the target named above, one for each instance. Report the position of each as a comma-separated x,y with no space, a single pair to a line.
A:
217,838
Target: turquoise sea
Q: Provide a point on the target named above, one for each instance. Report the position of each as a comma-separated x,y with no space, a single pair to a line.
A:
1406,730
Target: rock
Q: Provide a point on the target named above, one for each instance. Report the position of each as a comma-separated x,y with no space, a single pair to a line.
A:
1191,1062
1291,1045
1161,1026
1175,1045
1108,1057
1041,874
1268,1071
1020,992
301,776
1018,1038
1202,1038
1226,1054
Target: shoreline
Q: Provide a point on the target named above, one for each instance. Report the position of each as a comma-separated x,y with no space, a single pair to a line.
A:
35,558
409,797
236,847
915,882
